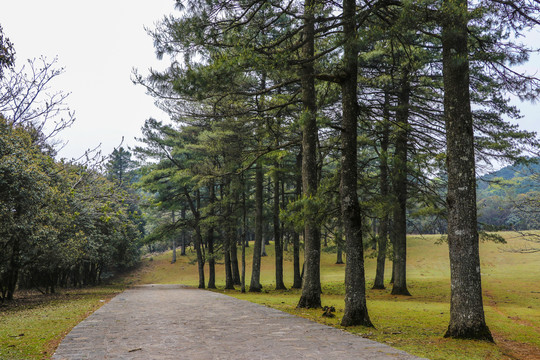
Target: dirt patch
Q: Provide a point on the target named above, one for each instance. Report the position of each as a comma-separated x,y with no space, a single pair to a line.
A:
510,348
517,350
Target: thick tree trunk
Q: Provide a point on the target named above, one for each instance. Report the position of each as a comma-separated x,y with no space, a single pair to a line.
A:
277,234
382,239
255,285
466,309
311,287
356,312
400,188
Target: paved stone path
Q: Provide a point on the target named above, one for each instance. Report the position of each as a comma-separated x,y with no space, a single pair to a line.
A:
178,322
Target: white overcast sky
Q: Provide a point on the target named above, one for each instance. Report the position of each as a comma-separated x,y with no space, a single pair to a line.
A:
99,43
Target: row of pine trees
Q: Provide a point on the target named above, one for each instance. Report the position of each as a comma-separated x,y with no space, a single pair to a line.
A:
334,116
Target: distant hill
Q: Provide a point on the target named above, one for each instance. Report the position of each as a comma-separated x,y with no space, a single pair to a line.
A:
510,198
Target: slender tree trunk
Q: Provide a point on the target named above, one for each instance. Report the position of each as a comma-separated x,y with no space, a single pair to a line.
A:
255,285
466,309
356,312
277,233
400,188
173,241
210,242
183,249
297,278
13,271
244,235
382,239
339,242
198,237
211,260
263,249
229,281
311,287
234,256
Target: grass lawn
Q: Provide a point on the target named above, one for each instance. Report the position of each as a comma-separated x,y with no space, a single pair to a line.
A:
415,324
33,325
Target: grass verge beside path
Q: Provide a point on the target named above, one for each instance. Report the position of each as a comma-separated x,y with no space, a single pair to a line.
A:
414,324
32,326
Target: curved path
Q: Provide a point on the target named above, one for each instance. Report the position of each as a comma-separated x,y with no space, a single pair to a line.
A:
178,322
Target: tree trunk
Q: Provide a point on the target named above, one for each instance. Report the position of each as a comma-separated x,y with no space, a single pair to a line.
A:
173,241
210,241
356,312
13,271
244,235
255,285
382,239
234,256
400,187
229,281
198,237
466,309
277,233
311,287
297,278
183,246
339,242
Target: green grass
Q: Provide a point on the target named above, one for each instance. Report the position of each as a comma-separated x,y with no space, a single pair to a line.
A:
415,324
33,325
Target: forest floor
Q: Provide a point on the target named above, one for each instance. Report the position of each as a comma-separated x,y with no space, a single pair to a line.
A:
33,326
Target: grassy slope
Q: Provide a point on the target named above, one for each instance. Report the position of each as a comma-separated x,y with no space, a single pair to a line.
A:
415,324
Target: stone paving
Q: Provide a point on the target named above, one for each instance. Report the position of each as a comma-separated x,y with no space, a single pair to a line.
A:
179,322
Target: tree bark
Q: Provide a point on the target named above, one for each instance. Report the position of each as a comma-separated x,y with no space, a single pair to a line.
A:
255,285
356,312
311,287
234,257
198,237
210,242
183,246
400,187
277,233
244,235
173,260
297,278
467,319
382,240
